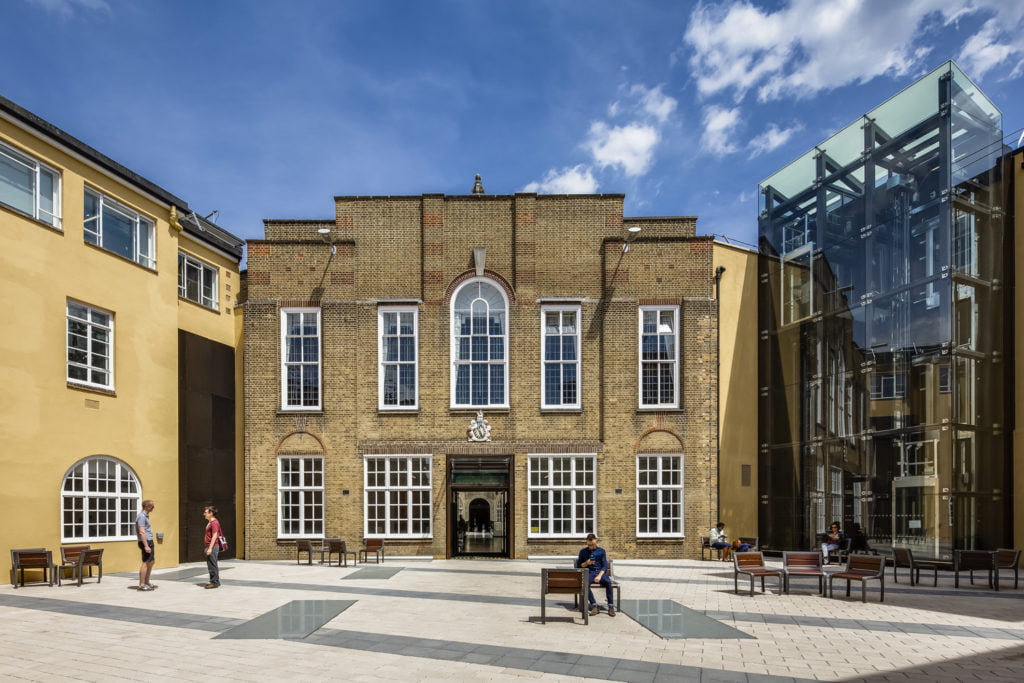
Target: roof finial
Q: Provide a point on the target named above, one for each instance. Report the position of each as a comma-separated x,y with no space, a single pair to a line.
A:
478,187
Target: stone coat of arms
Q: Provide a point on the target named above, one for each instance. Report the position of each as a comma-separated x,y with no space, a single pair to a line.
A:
479,428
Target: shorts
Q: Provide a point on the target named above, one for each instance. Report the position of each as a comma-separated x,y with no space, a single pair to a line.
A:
151,555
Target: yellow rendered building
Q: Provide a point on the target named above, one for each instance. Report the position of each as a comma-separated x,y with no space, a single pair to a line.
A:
117,353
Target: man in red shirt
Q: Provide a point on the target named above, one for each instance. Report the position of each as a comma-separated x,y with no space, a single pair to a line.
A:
212,541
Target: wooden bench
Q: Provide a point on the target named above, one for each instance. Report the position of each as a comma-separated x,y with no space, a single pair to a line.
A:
802,565
969,560
752,541
68,558
564,582
90,557
32,558
752,564
1008,559
336,546
372,545
615,584
904,557
303,545
705,547
861,568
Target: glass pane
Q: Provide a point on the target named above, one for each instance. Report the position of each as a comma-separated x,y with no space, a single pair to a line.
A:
118,233
16,185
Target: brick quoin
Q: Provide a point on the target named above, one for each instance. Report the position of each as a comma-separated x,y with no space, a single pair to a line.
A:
545,249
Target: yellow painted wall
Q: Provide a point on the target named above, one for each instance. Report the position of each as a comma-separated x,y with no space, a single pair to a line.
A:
217,325
48,425
1018,349
738,402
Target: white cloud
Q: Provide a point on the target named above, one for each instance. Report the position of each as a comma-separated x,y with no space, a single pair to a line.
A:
772,138
720,124
807,46
655,103
570,180
630,147
67,8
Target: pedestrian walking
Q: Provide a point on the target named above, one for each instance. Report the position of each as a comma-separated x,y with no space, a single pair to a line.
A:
213,539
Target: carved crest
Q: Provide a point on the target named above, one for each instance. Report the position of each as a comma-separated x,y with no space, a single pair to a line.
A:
479,428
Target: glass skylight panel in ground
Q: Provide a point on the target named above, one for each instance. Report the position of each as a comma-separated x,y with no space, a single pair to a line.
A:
562,495
99,501
29,186
300,365
398,350
659,355
197,281
300,497
398,496
118,228
479,346
90,346
561,364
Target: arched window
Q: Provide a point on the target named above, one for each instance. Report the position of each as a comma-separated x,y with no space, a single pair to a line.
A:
479,345
100,498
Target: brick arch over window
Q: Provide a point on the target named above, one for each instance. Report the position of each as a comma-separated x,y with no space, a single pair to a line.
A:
300,443
659,440
490,275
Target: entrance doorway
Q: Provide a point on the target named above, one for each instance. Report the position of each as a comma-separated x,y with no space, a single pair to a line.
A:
480,523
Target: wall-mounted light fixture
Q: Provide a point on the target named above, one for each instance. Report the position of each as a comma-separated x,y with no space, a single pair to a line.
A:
633,230
325,233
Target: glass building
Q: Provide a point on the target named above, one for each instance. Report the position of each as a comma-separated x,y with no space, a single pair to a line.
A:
882,335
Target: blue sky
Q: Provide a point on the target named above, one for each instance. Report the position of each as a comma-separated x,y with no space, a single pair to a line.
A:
270,109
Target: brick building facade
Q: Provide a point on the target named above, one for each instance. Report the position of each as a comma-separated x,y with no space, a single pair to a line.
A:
373,342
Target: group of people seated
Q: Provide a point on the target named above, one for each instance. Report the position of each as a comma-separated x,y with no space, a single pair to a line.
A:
718,540
834,539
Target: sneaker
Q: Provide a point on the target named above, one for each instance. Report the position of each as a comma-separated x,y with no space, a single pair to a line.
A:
147,587
611,610
212,585
151,586
594,609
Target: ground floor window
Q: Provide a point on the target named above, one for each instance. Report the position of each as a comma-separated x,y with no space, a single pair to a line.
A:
562,495
300,495
659,495
398,496
100,498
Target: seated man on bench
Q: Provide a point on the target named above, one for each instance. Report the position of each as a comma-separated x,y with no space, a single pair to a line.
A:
593,559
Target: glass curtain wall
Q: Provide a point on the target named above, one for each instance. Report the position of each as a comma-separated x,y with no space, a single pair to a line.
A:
881,318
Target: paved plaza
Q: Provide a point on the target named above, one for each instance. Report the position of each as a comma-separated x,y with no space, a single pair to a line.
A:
479,620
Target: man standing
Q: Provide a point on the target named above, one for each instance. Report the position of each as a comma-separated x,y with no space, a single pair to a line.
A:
146,545
594,559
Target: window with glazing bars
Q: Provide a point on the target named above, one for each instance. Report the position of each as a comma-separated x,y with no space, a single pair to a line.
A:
659,508
398,350
117,228
398,496
90,349
561,349
29,186
562,495
659,357
300,358
300,496
197,281
100,498
479,340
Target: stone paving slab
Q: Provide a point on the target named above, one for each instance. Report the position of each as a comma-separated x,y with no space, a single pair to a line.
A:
471,620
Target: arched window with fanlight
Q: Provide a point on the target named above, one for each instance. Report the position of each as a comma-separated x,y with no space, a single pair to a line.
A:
100,498
479,345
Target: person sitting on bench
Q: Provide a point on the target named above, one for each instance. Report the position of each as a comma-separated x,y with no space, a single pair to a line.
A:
595,560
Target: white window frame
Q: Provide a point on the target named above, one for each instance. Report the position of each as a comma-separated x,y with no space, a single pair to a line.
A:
572,488
640,357
126,507
382,364
453,350
560,309
36,166
141,221
790,314
285,406
308,496
88,366
660,487
888,385
388,488
206,270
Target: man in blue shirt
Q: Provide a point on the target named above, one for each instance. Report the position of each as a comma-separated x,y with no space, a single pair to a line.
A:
594,559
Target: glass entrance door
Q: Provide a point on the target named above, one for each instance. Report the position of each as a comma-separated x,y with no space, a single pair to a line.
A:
480,524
